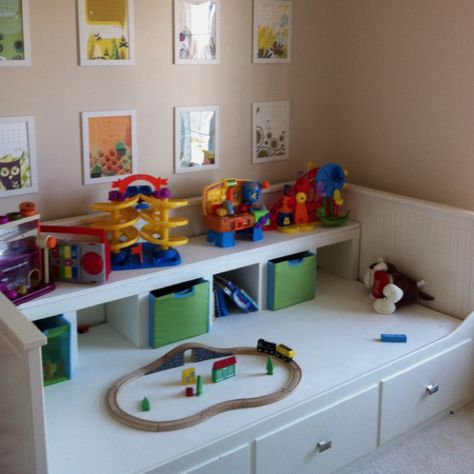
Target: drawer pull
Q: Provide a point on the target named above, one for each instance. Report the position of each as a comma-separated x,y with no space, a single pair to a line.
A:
431,389
323,446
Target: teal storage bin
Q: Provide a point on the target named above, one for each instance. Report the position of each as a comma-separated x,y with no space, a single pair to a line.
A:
178,312
56,354
291,280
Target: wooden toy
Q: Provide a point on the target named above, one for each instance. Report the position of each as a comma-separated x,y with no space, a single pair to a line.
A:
169,360
223,369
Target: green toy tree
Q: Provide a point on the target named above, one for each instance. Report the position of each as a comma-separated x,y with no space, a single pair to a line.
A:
199,385
269,365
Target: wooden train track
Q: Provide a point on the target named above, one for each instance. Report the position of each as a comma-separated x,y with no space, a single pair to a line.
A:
159,364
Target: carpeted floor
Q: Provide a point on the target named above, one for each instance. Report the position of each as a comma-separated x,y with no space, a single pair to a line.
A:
445,447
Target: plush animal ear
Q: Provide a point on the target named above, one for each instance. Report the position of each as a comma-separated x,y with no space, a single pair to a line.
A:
380,265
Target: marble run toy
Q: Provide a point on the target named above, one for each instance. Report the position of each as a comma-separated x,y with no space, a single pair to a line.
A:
231,207
314,197
127,205
24,267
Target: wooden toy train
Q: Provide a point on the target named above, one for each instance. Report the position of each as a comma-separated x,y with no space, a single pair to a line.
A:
279,350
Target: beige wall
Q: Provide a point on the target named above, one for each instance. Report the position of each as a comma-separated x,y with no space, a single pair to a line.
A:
404,101
55,90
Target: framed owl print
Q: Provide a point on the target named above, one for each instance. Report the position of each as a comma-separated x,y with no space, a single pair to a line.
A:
17,156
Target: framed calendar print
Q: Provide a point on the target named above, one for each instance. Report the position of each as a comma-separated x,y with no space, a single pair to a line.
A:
14,33
18,167
106,32
109,145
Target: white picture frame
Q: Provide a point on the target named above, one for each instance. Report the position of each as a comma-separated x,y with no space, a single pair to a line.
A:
272,30
109,145
196,138
18,159
270,131
15,46
196,31
106,32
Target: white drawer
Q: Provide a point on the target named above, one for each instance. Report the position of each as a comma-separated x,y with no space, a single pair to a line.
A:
234,462
424,390
323,441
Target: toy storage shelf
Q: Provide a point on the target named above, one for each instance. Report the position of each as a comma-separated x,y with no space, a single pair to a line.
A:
335,337
337,326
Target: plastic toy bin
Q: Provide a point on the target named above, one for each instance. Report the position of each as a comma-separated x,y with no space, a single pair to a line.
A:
178,312
291,280
56,354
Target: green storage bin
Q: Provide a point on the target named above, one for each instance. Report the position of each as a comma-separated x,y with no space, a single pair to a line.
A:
178,312
291,280
56,354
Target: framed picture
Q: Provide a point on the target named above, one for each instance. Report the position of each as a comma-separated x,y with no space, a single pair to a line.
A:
14,33
106,35
197,133
196,31
272,31
18,168
270,131
109,145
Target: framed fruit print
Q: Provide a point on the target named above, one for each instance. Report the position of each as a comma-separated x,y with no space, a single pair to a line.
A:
18,166
14,33
106,32
109,145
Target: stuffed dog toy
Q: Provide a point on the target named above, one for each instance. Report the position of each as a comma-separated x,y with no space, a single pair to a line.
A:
390,288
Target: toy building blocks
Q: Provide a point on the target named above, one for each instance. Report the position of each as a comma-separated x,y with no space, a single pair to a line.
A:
151,203
223,369
393,338
189,391
231,207
188,376
24,272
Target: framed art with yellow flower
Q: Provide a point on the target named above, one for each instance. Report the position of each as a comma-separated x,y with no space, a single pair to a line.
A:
14,33
270,131
18,173
106,33
109,145
272,31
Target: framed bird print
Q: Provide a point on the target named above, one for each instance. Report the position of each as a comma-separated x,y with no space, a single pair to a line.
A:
272,31
109,145
18,166
106,32
14,33
196,31
196,139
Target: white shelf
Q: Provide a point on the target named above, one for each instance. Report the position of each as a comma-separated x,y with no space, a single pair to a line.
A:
199,259
337,327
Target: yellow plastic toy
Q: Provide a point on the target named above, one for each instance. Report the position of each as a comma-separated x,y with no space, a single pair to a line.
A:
127,206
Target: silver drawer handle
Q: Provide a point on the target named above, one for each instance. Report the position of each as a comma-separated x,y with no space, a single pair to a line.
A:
430,389
323,446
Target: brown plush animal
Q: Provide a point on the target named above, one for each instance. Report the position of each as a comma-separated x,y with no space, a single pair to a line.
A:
391,288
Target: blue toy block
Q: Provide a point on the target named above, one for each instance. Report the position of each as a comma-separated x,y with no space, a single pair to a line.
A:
221,239
393,338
